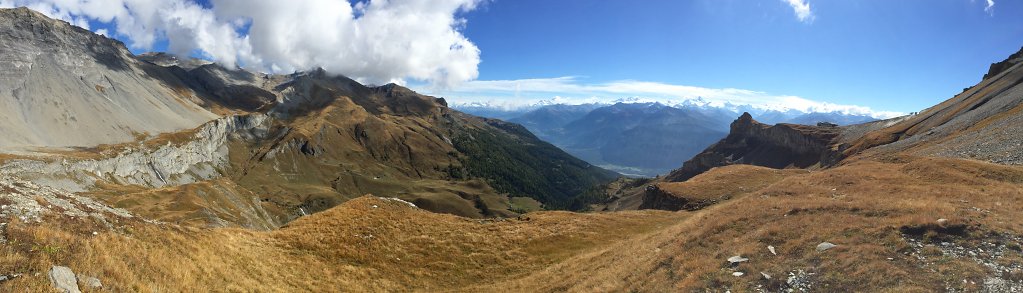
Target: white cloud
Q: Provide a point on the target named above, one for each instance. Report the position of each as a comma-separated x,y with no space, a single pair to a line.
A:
569,90
802,9
376,41
990,8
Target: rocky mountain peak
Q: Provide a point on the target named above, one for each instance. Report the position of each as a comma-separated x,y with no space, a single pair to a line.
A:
1000,67
30,27
744,118
745,124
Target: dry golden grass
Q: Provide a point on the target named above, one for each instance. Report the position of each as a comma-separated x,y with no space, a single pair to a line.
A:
711,186
367,244
867,207
218,202
861,207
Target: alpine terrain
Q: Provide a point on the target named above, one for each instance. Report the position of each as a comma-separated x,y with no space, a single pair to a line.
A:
155,172
642,139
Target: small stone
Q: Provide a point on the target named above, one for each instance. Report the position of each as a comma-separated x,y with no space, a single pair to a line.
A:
375,206
90,282
738,274
766,276
94,233
63,279
737,259
771,248
825,246
942,222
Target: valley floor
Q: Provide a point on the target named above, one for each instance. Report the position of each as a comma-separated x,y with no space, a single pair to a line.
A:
901,224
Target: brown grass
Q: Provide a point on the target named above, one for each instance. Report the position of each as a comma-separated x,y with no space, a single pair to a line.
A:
367,244
709,187
861,207
869,208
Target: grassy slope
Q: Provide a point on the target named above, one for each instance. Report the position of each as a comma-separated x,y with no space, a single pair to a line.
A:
366,244
516,162
863,207
370,244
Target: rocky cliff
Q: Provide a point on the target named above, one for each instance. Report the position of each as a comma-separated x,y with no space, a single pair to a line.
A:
160,162
754,143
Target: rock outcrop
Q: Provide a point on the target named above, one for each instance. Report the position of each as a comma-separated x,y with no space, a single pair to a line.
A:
190,159
754,143
999,67
64,280
656,198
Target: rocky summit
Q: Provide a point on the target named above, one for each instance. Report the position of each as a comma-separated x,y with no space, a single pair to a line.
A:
157,172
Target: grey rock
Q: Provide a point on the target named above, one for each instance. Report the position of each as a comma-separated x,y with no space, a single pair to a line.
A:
63,279
90,282
771,248
825,246
56,76
737,259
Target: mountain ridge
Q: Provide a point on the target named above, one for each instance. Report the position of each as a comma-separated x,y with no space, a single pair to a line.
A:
268,148
645,139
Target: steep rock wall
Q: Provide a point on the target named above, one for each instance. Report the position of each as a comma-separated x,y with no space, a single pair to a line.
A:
197,158
754,143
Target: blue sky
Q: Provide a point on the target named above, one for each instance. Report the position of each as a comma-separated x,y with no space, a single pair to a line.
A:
887,55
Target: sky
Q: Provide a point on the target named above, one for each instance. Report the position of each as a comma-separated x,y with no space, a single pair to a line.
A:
881,57
898,56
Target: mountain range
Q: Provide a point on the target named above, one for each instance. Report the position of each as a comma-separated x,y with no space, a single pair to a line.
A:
252,149
642,139
150,172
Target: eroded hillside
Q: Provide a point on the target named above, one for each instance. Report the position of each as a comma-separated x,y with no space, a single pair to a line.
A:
272,196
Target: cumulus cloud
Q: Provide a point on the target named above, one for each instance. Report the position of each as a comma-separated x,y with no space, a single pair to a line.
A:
570,90
990,8
376,41
802,9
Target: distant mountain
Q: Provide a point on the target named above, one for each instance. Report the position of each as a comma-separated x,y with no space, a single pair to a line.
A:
800,117
547,121
491,111
642,139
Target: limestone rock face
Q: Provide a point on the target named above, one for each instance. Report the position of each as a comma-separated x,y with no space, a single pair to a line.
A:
174,163
754,143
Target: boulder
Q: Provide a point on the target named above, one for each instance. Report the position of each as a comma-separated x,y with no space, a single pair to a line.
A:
737,259
90,282
825,246
63,279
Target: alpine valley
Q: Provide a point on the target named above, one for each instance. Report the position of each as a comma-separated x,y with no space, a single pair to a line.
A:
643,139
158,173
